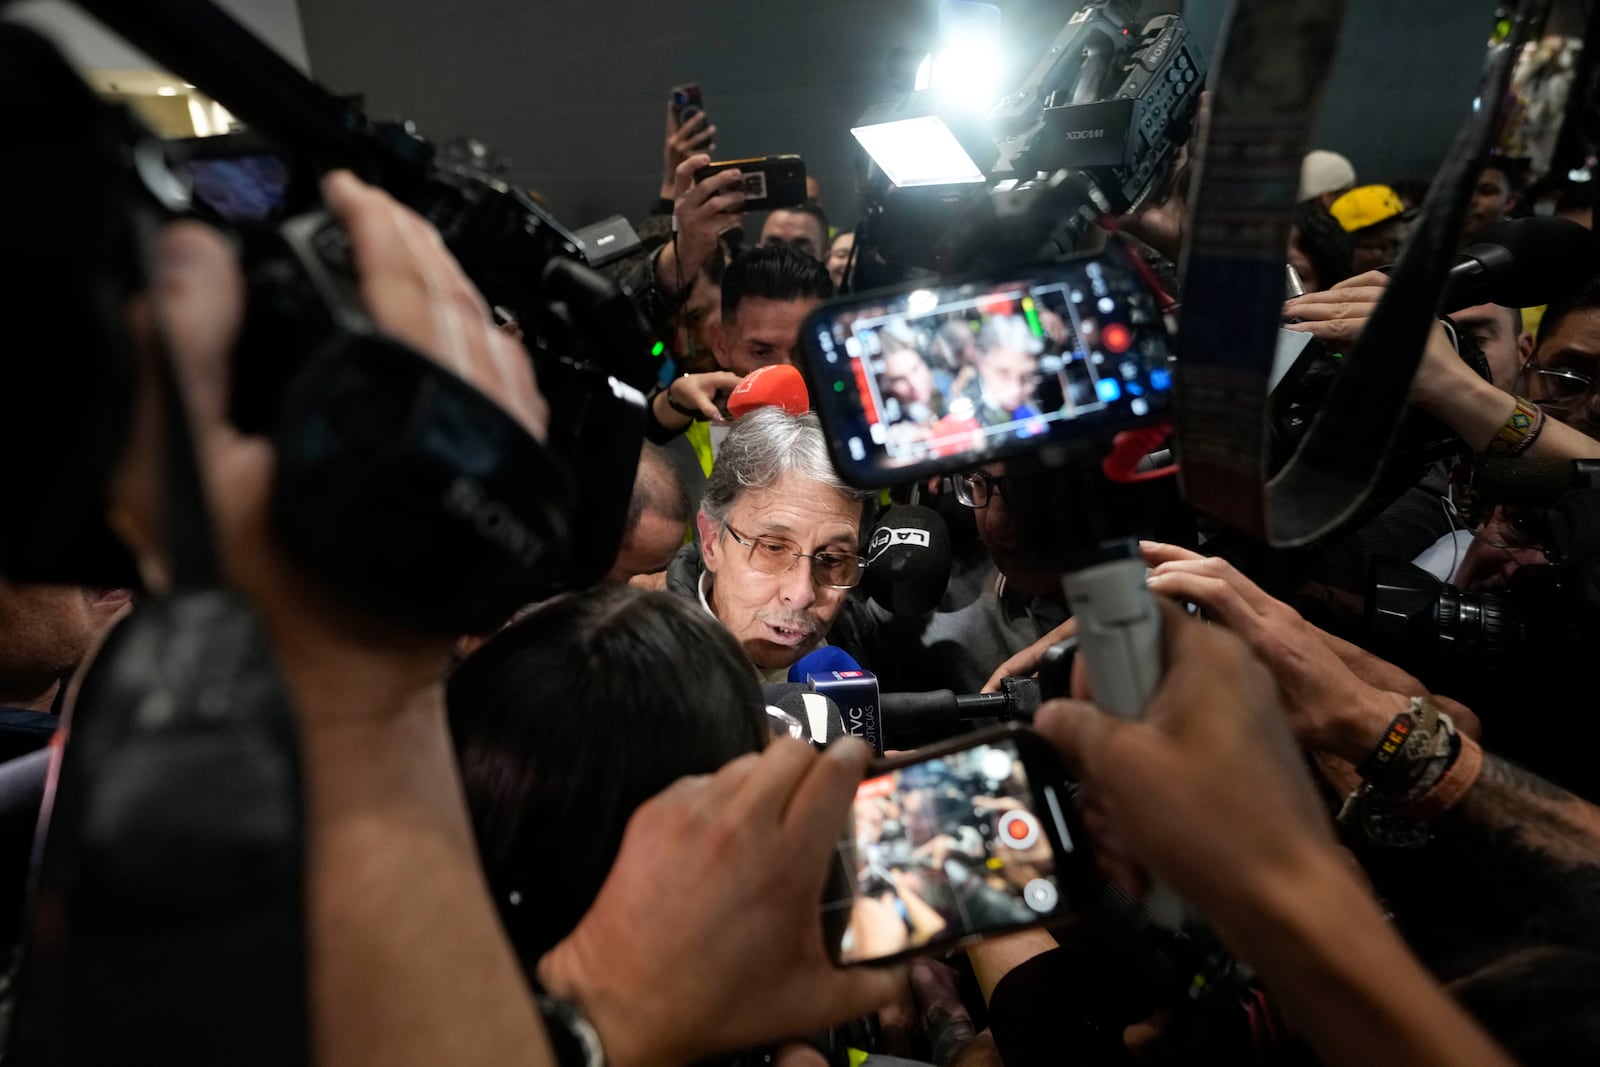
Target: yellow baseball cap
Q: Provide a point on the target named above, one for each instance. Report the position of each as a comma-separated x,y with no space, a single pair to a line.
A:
1367,206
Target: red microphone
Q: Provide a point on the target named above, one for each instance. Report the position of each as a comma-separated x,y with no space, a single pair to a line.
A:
778,386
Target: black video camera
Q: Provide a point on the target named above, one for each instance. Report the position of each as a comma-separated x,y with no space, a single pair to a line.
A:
1118,99
398,485
1491,645
1094,130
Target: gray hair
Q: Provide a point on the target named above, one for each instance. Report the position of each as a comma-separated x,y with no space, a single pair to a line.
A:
761,448
1009,331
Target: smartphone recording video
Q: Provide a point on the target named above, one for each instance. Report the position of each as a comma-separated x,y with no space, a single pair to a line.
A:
928,380
954,843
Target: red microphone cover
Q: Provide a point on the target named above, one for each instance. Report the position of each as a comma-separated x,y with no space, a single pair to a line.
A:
779,386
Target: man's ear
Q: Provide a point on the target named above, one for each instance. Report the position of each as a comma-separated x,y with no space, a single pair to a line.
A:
1524,349
709,530
719,343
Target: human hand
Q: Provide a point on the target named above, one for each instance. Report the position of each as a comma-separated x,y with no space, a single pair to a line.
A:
1161,224
1208,790
656,582
1163,219
704,211
414,291
681,142
1025,664
1338,316
700,391
1329,708
716,893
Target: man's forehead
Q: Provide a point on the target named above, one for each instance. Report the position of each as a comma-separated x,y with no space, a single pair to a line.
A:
765,319
1577,330
787,224
1484,315
794,506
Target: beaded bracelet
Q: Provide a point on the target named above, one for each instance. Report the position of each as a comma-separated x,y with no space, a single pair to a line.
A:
1520,431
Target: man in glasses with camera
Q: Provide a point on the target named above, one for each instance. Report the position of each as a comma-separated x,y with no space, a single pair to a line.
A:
1565,364
779,540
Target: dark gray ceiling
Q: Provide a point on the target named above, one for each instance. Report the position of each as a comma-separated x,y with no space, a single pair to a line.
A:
574,92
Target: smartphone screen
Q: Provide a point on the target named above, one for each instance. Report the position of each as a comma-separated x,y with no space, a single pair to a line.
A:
932,379
950,848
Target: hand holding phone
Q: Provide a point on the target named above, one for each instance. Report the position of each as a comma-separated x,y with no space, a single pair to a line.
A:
956,842
1210,790
768,181
689,132
702,213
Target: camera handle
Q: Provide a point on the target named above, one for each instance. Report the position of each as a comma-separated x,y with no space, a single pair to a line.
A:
1070,514
1071,517
1119,628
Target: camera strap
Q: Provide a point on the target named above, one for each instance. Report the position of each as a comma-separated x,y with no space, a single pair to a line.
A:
168,903
1275,59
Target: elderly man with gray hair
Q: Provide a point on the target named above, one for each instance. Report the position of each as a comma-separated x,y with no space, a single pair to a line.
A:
779,540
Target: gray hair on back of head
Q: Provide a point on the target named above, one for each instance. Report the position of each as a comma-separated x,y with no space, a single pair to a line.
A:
761,448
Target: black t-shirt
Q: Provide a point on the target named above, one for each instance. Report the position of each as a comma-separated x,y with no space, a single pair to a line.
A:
23,731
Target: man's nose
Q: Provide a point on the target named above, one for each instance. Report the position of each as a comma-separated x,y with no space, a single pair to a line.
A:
796,588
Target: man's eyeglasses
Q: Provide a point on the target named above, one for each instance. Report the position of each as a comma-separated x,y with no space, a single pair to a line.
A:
832,570
1556,382
975,489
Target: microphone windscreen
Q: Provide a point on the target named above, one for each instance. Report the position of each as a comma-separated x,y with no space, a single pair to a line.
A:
1531,483
1523,263
779,386
823,660
908,560
820,716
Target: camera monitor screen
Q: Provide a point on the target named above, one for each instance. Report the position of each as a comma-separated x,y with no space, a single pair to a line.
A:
928,380
244,189
948,849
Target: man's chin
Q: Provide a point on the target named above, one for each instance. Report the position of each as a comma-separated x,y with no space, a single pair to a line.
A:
769,655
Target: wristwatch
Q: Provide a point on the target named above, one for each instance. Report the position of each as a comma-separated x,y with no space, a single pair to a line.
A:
572,1037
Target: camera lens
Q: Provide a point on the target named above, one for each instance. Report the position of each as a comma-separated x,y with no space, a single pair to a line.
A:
1480,630
1432,628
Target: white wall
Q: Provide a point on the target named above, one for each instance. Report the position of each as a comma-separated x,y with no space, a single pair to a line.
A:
91,47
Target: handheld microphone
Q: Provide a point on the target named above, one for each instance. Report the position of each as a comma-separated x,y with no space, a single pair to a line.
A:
1522,263
908,560
1532,483
819,715
945,711
831,672
779,386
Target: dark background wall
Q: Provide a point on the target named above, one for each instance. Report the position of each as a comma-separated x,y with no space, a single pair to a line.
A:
573,91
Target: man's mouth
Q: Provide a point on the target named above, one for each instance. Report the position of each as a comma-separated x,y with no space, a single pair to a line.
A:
784,635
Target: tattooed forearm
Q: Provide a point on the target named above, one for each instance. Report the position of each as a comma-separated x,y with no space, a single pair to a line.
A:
1537,845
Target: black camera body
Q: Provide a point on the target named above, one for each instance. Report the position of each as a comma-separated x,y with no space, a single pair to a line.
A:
1094,131
1491,645
1118,98
381,451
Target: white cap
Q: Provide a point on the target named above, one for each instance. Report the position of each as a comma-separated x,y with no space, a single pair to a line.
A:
1324,172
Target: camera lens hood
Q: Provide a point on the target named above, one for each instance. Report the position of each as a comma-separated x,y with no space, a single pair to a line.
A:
410,494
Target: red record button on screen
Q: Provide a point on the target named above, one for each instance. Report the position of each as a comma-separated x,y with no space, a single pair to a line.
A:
1019,829
1116,337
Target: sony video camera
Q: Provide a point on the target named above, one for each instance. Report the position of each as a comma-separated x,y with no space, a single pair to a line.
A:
405,490
1094,130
